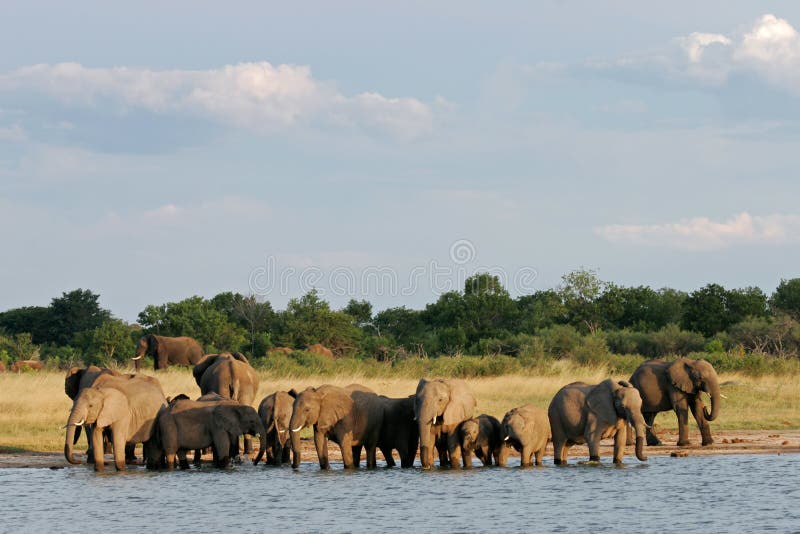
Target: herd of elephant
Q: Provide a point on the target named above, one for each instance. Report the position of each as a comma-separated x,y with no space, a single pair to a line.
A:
119,411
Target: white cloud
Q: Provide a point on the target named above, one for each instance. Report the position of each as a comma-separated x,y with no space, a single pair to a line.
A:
701,233
257,96
13,134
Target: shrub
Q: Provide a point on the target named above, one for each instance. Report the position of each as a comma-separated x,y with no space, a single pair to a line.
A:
560,340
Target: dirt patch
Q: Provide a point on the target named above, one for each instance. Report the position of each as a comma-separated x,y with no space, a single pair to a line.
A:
726,442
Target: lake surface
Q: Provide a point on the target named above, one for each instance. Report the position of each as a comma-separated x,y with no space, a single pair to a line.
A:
750,493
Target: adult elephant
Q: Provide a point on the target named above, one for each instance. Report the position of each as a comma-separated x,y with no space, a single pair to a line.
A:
350,418
399,431
78,379
207,422
275,411
677,386
439,406
231,376
583,413
127,405
168,351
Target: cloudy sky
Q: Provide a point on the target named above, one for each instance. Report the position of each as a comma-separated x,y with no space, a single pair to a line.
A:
150,153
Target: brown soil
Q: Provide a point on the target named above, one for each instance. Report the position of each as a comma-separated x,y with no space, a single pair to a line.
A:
726,442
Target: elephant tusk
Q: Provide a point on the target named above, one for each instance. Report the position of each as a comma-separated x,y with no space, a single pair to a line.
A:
298,429
137,357
79,423
506,438
281,431
723,396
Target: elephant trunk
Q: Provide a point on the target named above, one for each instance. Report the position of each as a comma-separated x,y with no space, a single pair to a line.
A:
639,426
425,444
712,386
74,423
262,447
295,436
640,449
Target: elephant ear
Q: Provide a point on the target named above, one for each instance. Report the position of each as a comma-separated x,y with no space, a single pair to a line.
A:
601,402
202,365
678,374
335,405
461,405
115,407
227,419
239,356
292,393
73,381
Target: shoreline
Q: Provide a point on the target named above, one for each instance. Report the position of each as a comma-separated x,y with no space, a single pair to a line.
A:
725,442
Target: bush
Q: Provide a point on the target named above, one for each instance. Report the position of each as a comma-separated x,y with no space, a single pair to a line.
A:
560,340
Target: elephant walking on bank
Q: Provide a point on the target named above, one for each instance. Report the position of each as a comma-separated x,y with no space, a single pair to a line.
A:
275,410
440,405
583,413
127,405
482,435
349,417
527,429
677,386
167,351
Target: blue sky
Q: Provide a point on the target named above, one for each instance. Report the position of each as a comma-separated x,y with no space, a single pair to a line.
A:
150,153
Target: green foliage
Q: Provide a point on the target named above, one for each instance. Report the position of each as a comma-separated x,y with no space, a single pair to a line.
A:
560,340
19,347
786,297
580,291
310,320
713,309
360,311
75,312
540,310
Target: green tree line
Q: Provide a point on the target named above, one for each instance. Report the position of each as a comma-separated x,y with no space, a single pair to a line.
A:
584,318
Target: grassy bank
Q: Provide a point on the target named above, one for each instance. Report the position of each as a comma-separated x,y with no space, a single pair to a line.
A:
33,406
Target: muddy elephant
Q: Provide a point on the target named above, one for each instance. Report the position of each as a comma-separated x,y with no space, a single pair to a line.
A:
127,405
231,376
168,351
439,406
185,424
77,379
482,435
399,431
678,386
527,430
350,418
583,413
275,411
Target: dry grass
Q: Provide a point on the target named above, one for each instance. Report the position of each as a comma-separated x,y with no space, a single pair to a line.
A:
33,406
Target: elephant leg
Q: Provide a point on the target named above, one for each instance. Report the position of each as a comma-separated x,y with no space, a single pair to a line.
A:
560,452
525,456
108,445
502,455
222,446
454,450
119,449
285,454
347,452
652,439
97,448
198,457
705,429
372,456
593,436
539,456
387,455
321,443
248,445
487,457
130,455
182,461
441,448
620,440
682,411
357,456
466,457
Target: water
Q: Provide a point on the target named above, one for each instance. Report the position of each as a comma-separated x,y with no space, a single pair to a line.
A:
750,493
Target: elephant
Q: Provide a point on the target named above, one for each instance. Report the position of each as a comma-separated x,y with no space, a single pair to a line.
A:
126,405
677,386
350,418
484,436
320,350
527,429
231,376
275,410
168,351
211,422
439,406
399,431
76,380
583,413
26,365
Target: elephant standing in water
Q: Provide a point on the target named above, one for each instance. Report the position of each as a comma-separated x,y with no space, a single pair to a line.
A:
399,431
439,406
275,411
677,386
582,413
527,429
350,417
128,405
168,351
77,380
484,436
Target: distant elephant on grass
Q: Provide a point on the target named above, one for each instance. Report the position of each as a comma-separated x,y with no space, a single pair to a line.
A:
320,350
275,411
583,413
126,405
527,429
482,435
26,365
399,431
168,351
677,386
231,376
351,418
185,424
439,406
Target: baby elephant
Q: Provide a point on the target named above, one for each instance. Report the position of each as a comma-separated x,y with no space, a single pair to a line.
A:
483,435
527,429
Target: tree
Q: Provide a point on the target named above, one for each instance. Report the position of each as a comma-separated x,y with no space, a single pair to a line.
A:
746,302
74,312
35,320
256,316
540,310
310,320
488,310
109,341
786,297
579,291
360,311
404,325
705,310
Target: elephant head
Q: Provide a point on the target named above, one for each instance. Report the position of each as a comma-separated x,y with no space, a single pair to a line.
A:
611,401
321,407
148,345
468,433
440,403
98,406
72,382
242,419
694,376
513,425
